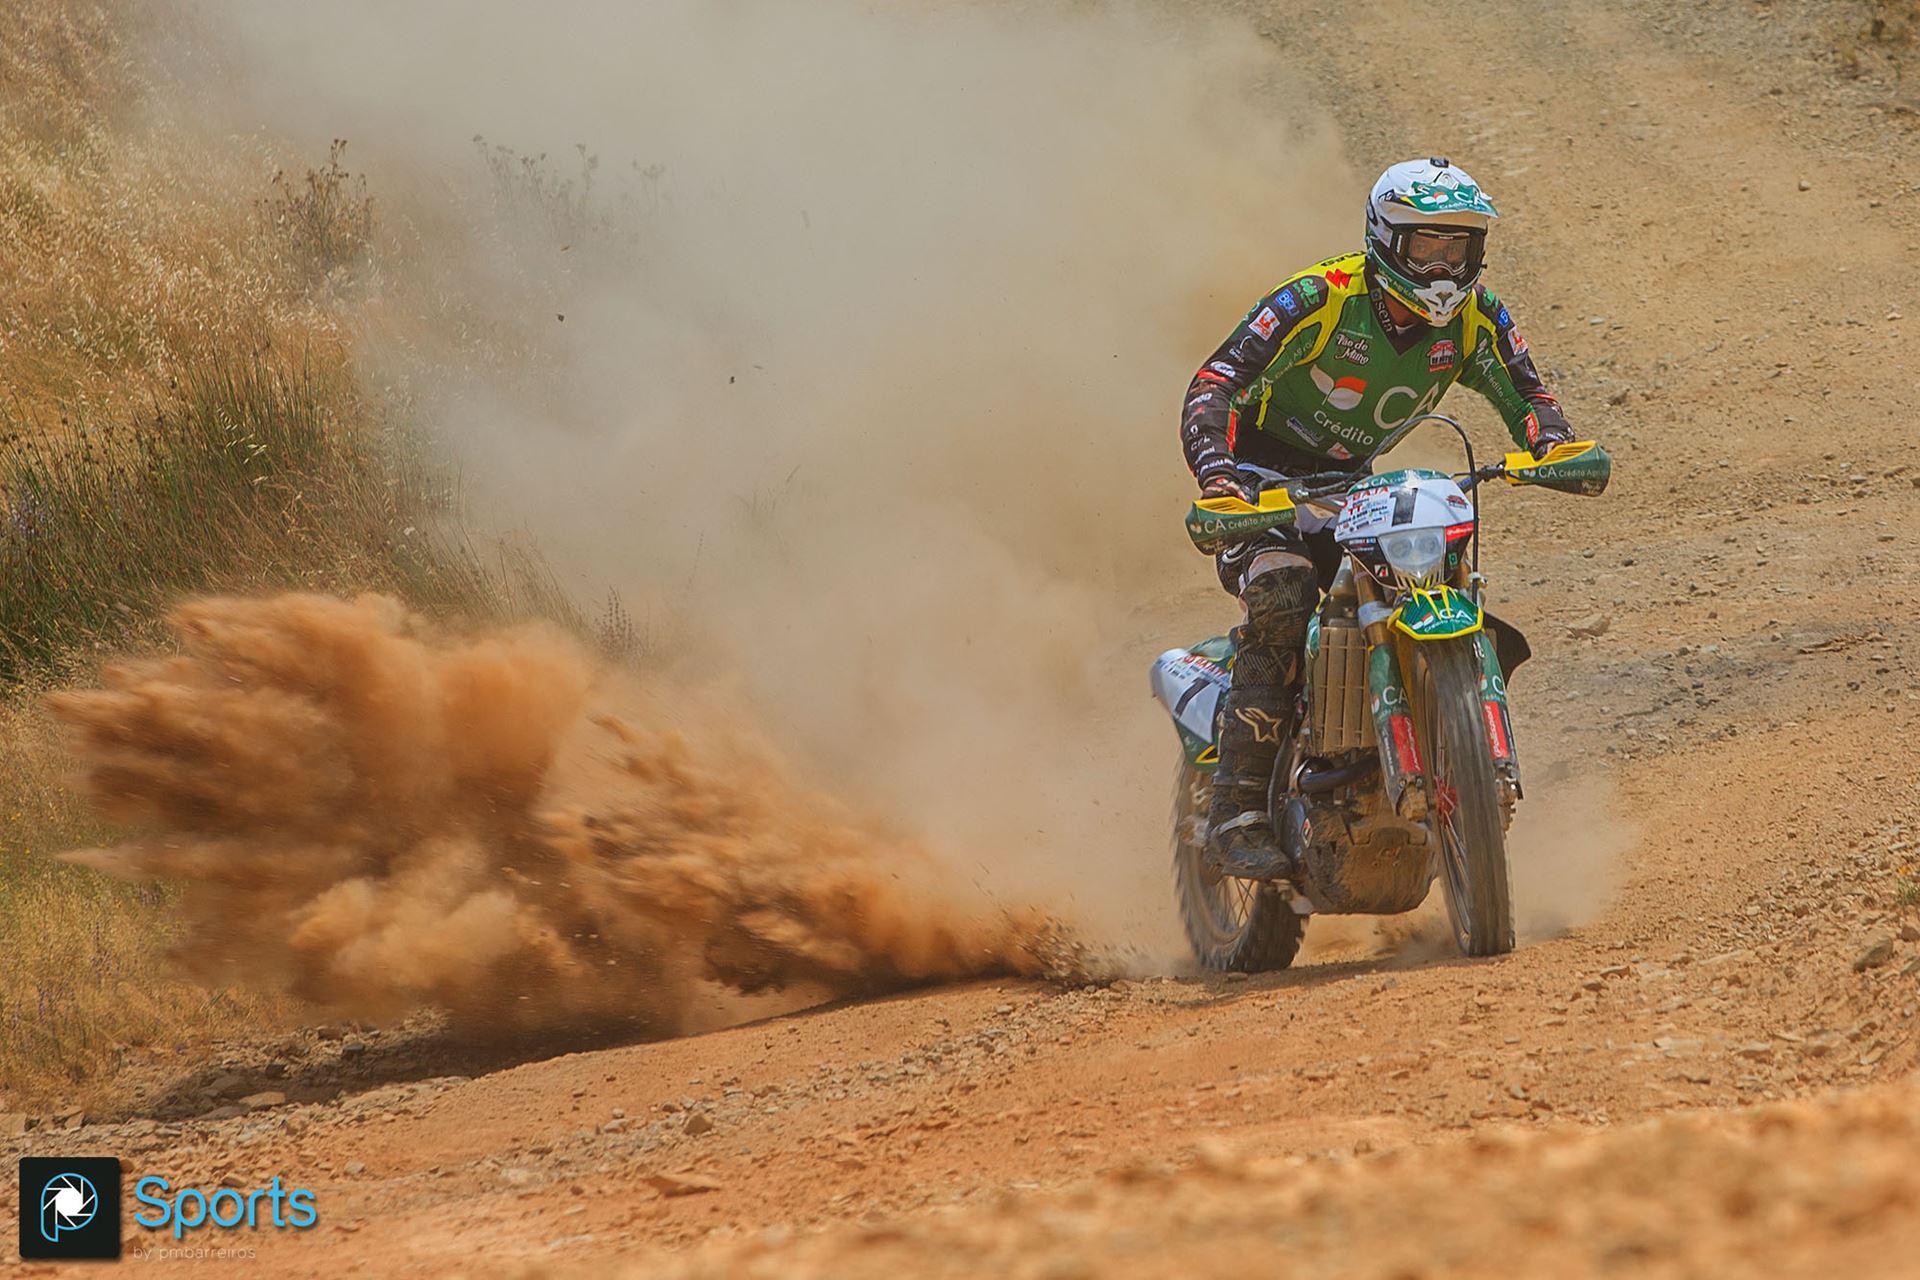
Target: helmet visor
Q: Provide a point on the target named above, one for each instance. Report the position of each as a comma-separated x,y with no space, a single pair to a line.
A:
1432,253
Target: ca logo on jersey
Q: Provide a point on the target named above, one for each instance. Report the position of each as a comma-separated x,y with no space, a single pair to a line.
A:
1341,393
1421,404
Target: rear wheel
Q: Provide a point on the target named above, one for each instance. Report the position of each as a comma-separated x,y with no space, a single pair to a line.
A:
1233,925
1464,795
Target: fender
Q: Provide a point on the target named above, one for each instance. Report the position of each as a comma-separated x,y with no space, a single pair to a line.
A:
1439,613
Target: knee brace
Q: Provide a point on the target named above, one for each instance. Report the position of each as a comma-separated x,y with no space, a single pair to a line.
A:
1279,594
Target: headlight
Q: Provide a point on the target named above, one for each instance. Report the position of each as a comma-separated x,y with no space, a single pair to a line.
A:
1417,553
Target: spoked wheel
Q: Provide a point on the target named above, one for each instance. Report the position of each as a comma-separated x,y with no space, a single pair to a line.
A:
1463,794
1234,925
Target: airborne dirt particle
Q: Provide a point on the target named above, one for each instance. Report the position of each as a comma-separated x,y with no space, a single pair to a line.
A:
368,814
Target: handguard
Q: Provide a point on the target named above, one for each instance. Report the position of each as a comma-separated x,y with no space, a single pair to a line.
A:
1217,523
1579,466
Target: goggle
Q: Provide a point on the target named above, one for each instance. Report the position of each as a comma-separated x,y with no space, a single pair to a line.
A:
1436,253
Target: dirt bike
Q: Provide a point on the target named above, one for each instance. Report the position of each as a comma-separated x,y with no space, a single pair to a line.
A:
1402,767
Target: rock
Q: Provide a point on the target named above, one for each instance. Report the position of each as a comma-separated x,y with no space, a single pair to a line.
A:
1235,977
1877,953
354,1168
353,1048
1590,627
681,1184
1805,185
515,1176
1758,1050
268,1098
13,1124
227,1112
697,1124
1910,932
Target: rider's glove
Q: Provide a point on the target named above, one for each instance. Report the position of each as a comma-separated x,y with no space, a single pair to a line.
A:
1219,477
1549,435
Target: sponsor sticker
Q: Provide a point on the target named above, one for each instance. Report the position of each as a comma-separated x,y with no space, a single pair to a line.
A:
1353,348
1496,731
1440,356
1309,291
1403,748
1519,343
1305,432
1288,303
1339,279
1265,323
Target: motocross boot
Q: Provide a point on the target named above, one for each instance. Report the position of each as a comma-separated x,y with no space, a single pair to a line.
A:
1255,718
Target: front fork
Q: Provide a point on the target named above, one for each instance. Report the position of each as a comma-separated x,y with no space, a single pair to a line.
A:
1401,767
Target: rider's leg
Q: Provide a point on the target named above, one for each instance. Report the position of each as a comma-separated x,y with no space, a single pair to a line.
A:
1278,589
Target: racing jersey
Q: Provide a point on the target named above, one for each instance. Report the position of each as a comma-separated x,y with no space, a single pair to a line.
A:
1318,372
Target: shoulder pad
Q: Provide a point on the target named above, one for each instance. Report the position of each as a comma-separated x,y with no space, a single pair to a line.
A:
1304,294
1492,308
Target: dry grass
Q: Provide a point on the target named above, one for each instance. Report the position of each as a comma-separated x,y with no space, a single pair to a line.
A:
85,979
250,479
180,414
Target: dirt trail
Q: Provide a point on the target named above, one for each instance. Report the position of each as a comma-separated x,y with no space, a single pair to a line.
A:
1710,271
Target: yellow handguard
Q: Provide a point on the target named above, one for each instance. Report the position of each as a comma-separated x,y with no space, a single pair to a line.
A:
1215,523
1578,466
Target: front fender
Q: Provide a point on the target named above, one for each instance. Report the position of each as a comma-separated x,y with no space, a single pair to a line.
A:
1441,613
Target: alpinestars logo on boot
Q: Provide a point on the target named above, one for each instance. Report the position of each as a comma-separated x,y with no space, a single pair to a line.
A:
69,1207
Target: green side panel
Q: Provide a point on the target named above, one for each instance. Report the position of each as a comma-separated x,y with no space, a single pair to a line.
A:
1439,614
1200,753
1219,649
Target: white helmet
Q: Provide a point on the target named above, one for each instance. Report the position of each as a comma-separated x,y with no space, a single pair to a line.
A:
1427,235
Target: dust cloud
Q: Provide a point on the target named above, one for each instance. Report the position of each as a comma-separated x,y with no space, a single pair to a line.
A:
845,342
374,817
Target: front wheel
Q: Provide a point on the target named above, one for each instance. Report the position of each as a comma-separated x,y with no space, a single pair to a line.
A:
1236,926
1464,795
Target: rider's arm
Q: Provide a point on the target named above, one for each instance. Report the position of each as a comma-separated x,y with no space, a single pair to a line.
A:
1274,332
1501,370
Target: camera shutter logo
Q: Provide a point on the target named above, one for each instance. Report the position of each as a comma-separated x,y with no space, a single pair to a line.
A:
67,1203
69,1207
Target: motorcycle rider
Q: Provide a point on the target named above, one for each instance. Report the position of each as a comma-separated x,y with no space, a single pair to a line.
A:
1321,375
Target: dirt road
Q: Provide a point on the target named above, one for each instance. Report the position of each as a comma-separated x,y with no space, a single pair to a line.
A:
1712,243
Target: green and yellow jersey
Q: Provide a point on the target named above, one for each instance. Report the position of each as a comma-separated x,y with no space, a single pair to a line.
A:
1318,373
